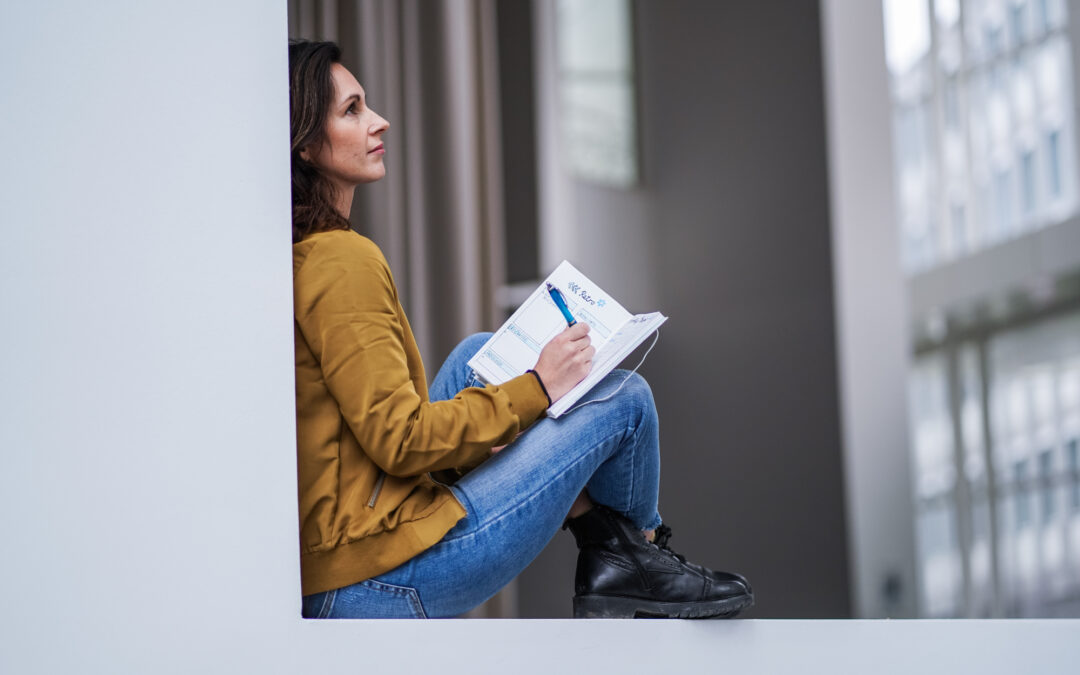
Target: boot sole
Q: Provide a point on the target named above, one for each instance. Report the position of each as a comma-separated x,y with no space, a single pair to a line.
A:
614,607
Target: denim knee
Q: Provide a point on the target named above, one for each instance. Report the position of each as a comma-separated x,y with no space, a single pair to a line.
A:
637,393
472,344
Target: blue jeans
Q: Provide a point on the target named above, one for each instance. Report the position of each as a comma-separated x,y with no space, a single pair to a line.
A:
517,499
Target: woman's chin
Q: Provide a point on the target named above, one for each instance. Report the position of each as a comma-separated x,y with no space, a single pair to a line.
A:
376,173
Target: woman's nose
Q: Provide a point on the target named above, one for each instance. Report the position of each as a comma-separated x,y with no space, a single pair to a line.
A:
381,126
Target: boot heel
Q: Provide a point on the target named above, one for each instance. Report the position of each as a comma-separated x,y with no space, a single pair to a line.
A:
606,607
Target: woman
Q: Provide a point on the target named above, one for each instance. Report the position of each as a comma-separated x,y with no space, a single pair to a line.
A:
380,537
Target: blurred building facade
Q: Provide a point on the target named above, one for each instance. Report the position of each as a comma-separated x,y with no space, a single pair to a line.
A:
983,96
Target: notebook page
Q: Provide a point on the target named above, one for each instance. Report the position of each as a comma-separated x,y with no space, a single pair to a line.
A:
516,346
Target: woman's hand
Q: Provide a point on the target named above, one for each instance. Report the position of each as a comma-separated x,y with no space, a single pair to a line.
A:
566,360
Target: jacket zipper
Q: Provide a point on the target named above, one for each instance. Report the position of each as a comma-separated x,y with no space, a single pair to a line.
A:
375,492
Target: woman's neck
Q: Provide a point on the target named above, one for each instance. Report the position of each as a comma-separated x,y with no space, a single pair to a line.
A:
343,199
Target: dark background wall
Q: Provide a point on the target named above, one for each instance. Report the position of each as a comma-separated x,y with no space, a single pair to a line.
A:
732,219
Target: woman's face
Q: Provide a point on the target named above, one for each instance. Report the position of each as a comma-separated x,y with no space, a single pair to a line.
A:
353,151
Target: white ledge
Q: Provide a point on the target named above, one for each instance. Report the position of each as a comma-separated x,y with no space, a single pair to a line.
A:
1044,646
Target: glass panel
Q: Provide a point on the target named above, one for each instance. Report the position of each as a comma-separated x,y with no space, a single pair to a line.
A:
915,160
982,586
935,484
599,118
1053,147
952,104
939,560
1046,492
1027,182
971,418
1002,204
907,34
935,471
1073,455
947,12
1022,495
959,228
596,82
1042,15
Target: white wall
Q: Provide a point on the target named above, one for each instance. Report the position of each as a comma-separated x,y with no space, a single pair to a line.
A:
147,497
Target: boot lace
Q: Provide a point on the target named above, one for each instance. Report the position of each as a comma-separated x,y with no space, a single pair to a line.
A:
661,539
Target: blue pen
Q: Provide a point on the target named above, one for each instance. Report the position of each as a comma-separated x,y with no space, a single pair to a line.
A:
557,298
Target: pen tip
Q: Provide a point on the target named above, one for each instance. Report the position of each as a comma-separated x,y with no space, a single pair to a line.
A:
549,286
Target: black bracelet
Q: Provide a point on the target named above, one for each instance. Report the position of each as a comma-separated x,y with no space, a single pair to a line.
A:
541,382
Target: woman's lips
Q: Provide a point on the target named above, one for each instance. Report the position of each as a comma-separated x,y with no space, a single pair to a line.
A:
378,150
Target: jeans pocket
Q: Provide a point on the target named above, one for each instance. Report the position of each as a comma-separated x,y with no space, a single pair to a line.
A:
373,599
318,605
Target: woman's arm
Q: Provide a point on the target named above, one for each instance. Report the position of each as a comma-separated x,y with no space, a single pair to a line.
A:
347,309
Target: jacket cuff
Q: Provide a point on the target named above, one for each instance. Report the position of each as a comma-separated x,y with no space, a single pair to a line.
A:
527,398
541,381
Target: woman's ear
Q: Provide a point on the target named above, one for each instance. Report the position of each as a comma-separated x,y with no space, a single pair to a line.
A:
305,153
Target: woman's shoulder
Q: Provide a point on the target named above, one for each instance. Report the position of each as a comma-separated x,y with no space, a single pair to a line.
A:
343,245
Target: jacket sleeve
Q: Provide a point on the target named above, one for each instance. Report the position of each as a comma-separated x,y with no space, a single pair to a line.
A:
347,309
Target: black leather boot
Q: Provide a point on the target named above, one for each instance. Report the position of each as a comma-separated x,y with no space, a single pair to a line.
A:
621,575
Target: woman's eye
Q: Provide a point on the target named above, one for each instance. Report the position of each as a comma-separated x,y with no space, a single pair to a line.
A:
352,109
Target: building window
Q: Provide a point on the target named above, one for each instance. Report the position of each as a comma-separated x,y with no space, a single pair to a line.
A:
998,523
596,83
983,116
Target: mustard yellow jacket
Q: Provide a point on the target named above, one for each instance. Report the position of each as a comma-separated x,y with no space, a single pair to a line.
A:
367,436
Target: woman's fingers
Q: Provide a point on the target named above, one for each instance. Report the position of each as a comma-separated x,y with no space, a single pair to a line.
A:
577,331
577,335
566,360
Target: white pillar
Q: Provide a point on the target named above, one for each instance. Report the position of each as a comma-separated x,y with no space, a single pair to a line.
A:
871,313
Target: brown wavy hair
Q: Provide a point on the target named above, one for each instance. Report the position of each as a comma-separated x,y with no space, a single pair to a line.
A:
311,93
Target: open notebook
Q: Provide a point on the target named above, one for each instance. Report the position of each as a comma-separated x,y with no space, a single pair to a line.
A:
516,346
